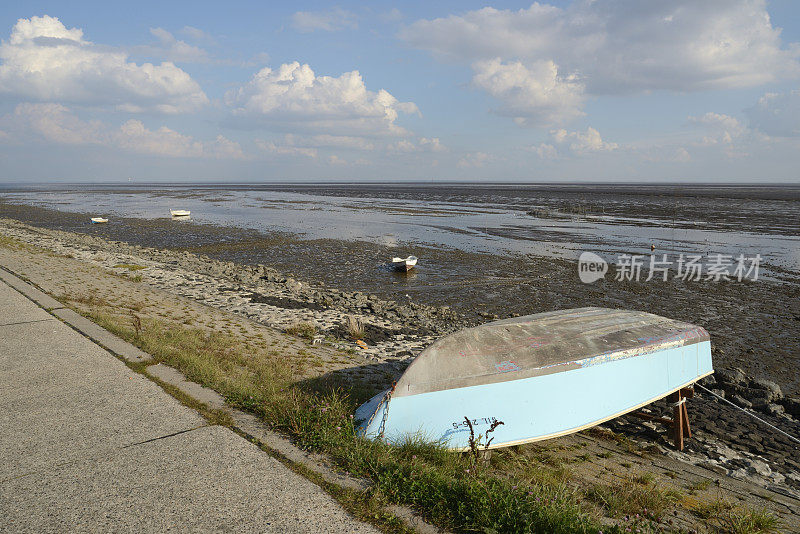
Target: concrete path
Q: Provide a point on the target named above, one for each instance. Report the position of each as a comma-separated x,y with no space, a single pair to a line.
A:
86,444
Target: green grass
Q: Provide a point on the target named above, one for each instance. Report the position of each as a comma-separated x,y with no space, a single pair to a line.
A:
699,485
637,494
520,489
448,489
727,518
303,330
354,327
130,266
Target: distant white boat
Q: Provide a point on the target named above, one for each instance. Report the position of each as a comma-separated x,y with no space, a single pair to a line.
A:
404,264
99,220
180,213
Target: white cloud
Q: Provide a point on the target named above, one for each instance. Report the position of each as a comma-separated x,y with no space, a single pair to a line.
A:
43,60
724,128
330,141
224,148
777,114
286,150
582,142
719,121
332,20
562,142
196,34
57,124
668,154
431,143
614,47
474,159
535,95
293,98
173,49
545,151
423,144
133,136
403,145
393,15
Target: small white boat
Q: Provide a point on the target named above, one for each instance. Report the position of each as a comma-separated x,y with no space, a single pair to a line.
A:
542,376
99,220
180,213
404,264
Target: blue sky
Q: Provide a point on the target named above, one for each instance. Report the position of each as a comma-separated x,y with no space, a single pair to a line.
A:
562,91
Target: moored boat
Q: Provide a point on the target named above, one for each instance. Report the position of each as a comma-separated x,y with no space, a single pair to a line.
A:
404,264
98,220
180,213
542,376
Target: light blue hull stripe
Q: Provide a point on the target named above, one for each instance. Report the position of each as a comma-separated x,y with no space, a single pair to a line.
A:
543,406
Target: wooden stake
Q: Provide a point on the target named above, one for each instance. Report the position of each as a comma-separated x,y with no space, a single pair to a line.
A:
680,416
677,420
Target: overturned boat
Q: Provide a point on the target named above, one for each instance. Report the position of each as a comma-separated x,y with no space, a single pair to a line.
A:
542,376
99,220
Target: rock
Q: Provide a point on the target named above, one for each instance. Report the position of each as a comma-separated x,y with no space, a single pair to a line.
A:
708,381
713,466
760,468
792,406
756,395
293,285
774,409
738,400
773,390
733,376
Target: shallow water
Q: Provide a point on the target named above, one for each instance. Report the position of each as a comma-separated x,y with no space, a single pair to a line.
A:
527,220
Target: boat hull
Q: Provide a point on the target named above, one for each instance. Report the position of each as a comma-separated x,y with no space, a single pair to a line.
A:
538,407
403,267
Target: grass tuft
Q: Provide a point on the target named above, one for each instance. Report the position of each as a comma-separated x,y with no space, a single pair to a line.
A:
129,266
304,330
728,518
354,326
637,494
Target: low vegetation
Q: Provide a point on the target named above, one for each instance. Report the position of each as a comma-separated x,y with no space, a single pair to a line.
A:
455,491
129,266
354,326
724,516
304,330
636,494
520,489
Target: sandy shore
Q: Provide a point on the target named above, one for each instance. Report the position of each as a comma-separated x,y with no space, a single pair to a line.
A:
396,331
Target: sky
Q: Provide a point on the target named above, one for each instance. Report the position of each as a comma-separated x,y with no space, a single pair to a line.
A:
588,90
